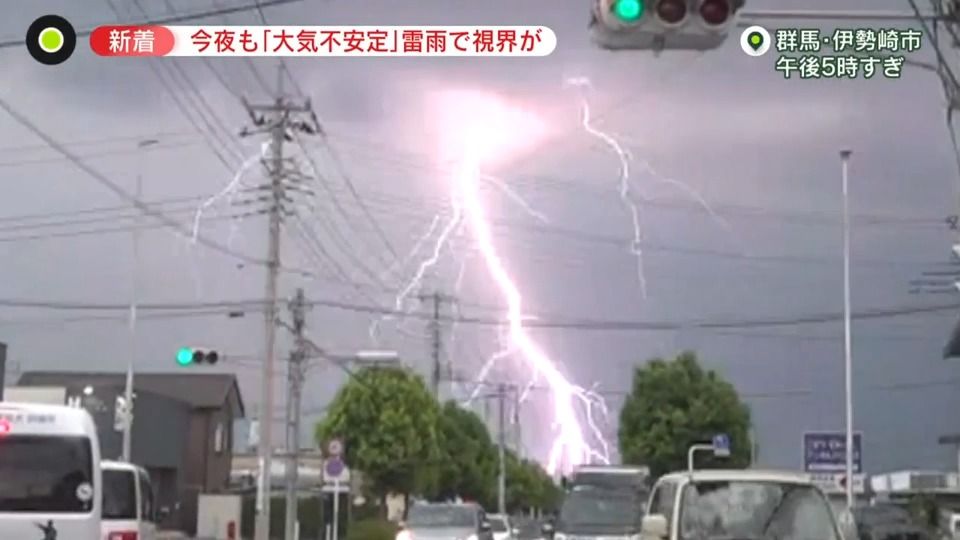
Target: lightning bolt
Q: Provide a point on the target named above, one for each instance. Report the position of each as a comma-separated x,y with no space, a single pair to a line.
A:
624,176
570,446
625,157
228,191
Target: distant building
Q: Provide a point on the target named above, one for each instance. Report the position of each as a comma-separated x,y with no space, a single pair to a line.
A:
182,430
3,367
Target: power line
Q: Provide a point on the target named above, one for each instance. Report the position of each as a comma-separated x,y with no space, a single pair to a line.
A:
586,324
114,187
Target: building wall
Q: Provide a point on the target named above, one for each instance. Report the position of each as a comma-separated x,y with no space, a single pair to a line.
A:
3,367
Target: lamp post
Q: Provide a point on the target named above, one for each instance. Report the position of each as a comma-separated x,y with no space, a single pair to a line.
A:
131,360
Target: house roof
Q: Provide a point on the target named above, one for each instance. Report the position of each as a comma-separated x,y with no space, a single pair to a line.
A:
199,390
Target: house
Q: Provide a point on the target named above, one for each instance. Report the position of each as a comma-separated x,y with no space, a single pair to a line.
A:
182,429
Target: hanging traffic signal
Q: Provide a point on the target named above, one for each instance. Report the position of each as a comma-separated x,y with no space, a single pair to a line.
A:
188,356
673,24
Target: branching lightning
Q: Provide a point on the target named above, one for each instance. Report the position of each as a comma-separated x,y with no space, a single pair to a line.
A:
230,189
625,157
570,447
624,177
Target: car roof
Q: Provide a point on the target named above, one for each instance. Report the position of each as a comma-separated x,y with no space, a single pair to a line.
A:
716,475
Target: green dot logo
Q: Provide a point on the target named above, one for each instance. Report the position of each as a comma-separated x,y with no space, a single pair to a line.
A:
51,40
755,41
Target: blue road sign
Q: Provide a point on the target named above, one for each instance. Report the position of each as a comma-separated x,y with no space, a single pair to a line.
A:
826,451
721,444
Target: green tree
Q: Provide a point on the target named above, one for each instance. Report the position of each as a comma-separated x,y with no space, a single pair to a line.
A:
529,486
674,404
388,421
469,459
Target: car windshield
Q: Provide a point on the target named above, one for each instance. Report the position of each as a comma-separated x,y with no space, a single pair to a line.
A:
119,495
441,516
755,510
498,524
589,506
46,474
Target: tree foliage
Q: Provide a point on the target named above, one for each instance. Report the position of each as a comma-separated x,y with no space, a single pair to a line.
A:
388,421
469,461
529,486
674,404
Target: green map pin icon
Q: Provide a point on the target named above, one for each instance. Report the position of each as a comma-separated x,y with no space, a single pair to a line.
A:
755,39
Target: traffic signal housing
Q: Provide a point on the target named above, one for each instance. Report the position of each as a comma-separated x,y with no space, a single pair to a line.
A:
663,24
188,356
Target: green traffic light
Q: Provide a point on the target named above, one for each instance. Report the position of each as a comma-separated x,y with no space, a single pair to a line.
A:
628,10
185,357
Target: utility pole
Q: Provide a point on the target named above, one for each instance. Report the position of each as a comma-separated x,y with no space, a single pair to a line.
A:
295,380
437,299
278,120
501,443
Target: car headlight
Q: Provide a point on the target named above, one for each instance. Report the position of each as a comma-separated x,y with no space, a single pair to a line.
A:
471,537
404,535
559,536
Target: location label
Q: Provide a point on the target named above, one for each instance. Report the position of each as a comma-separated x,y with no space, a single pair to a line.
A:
755,41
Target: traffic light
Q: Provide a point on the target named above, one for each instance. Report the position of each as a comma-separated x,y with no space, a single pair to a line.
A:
189,357
663,24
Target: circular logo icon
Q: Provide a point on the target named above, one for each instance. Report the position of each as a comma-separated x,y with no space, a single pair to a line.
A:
84,492
51,40
755,41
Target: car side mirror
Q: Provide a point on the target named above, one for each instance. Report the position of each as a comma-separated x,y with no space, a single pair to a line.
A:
654,526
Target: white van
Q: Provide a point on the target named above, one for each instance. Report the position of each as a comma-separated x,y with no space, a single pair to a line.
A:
738,504
50,470
128,503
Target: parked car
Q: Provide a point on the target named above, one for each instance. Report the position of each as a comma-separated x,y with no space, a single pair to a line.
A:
887,522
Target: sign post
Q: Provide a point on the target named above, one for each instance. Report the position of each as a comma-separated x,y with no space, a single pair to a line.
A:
335,471
719,445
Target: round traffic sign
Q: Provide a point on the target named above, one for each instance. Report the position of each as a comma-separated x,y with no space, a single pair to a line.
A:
333,467
335,447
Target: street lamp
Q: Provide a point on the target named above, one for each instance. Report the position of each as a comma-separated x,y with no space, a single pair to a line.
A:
131,360
847,345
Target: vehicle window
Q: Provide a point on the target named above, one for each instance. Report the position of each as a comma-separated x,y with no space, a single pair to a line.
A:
591,506
755,510
662,501
119,495
498,525
441,516
146,494
42,473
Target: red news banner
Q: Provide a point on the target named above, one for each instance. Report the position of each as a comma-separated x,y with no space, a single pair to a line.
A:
211,40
